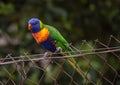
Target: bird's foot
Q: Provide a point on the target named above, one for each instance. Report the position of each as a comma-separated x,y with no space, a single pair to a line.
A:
59,50
47,56
47,59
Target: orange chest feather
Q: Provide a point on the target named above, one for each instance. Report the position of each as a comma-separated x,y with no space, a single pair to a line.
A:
41,36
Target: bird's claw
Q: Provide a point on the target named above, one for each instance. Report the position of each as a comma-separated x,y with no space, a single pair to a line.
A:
59,50
45,54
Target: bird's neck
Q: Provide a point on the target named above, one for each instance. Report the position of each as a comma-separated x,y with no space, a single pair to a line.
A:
41,25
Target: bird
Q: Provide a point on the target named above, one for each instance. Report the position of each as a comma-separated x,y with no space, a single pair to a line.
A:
51,39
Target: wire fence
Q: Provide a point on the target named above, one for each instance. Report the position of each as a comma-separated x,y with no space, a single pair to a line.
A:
99,62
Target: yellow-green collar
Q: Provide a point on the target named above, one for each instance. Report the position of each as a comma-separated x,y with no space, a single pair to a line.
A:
41,24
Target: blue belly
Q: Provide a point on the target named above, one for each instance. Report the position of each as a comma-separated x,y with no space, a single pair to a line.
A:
49,45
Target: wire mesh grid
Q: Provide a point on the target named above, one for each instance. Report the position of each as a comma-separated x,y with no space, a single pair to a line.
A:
99,62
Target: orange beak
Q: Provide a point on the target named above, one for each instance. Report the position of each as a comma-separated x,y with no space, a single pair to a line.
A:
29,26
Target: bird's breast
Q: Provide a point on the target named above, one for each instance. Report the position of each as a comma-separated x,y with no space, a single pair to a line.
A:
49,44
42,35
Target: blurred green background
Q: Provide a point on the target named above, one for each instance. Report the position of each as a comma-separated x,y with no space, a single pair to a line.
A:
77,20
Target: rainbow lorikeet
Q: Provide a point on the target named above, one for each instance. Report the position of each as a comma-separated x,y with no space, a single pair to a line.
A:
50,38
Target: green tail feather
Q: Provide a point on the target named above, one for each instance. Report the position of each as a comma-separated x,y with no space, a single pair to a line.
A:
74,64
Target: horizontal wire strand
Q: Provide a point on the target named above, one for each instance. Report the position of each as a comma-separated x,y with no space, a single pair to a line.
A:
57,57
41,55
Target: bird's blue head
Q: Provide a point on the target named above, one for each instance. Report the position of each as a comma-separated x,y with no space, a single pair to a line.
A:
34,25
